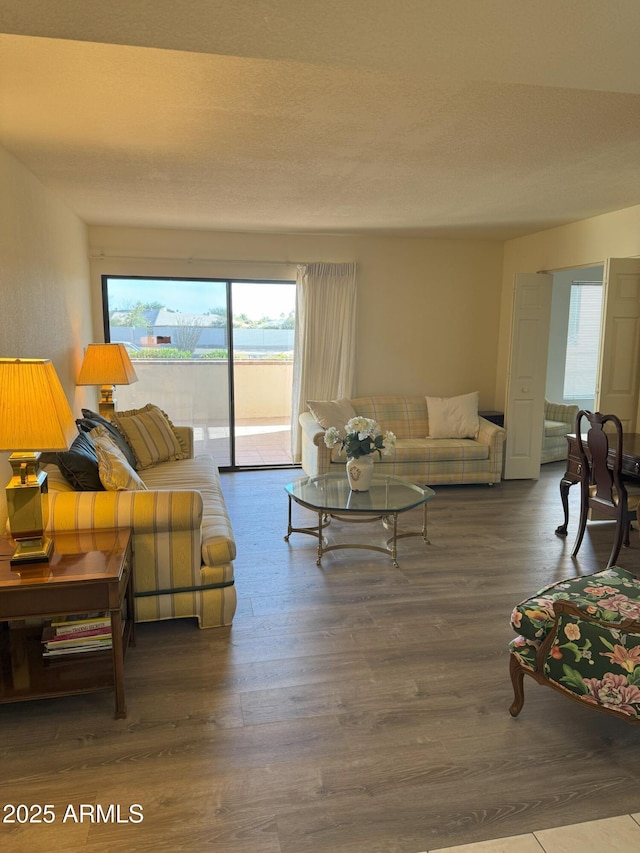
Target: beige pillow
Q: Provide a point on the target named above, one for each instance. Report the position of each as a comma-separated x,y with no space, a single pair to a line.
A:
150,434
331,413
453,417
113,469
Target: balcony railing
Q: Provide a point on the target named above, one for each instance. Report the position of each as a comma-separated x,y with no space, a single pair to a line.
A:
195,392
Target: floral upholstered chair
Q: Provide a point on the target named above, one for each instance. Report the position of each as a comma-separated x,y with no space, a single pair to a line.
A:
582,637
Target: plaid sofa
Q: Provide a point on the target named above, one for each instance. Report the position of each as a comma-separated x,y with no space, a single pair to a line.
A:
183,545
417,457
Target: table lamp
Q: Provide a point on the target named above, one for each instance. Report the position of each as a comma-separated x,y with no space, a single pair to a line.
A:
106,365
34,412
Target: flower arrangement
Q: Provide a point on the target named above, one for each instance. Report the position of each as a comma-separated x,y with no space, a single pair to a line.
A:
362,436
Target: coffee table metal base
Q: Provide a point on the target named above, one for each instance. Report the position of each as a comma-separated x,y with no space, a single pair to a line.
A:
389,520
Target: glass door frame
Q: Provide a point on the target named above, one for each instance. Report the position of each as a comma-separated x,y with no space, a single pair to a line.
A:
228,282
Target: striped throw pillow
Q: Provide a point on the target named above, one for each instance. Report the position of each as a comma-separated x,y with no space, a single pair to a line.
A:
150,434
116,474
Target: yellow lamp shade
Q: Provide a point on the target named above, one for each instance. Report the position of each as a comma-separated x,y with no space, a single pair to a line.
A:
106,364
34,416
34,412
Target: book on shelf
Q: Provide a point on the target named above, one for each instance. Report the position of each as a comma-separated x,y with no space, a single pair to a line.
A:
80,633
50,638
74,650
94,643
80,624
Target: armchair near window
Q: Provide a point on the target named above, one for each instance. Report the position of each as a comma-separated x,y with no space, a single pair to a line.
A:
559,420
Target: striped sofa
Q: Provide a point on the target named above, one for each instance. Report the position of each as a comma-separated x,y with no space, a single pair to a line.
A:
417,457
183,545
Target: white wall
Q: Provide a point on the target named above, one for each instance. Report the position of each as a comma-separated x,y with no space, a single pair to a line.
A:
428,315
44,280
581,244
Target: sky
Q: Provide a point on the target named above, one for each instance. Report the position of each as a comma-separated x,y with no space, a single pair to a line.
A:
255,299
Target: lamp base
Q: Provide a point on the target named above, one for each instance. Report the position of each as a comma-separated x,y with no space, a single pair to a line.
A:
106,404
32,551
27,508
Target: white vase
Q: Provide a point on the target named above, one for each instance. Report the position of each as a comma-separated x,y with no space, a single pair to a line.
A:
360,472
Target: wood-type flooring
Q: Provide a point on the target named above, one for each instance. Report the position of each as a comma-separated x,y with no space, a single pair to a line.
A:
351,708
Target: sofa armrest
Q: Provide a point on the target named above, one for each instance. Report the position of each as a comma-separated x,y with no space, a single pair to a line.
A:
312,429
561,412
316,456
142,511
185,434
491,434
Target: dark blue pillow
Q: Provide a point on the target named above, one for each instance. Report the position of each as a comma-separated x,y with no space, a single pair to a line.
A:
78,464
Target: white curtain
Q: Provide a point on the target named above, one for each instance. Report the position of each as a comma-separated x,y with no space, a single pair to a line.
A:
324,346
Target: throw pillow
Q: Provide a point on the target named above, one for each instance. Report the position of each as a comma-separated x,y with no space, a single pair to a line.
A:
78,464
115,472
91,419
150,434
331,413
453,417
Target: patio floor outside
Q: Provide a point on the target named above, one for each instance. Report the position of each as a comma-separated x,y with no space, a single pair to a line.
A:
266,441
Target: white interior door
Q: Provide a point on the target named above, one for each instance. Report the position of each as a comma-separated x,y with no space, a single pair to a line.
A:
618,373
524,416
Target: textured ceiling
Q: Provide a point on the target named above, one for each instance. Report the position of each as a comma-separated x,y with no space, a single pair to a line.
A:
482,118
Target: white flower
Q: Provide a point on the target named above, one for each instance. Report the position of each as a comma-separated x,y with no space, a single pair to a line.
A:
331,437
363,426
389,443
361,437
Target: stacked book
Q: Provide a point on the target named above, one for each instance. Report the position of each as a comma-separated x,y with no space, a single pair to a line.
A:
76,634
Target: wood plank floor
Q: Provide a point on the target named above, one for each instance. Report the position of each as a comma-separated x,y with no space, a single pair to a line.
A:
352,707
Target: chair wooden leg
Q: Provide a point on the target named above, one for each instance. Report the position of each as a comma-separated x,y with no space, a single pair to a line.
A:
582,524
621,534
517,678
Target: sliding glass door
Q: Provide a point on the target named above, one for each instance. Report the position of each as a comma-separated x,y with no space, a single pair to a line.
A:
214,354
262,334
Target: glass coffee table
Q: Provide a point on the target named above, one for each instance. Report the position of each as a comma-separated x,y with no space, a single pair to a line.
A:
330,496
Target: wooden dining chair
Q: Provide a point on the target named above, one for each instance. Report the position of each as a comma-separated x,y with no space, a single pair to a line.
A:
602,485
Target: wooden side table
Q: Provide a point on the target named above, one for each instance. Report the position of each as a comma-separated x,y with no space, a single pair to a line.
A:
89,571
495,417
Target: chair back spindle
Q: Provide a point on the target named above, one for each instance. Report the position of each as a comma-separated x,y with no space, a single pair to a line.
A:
602,486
